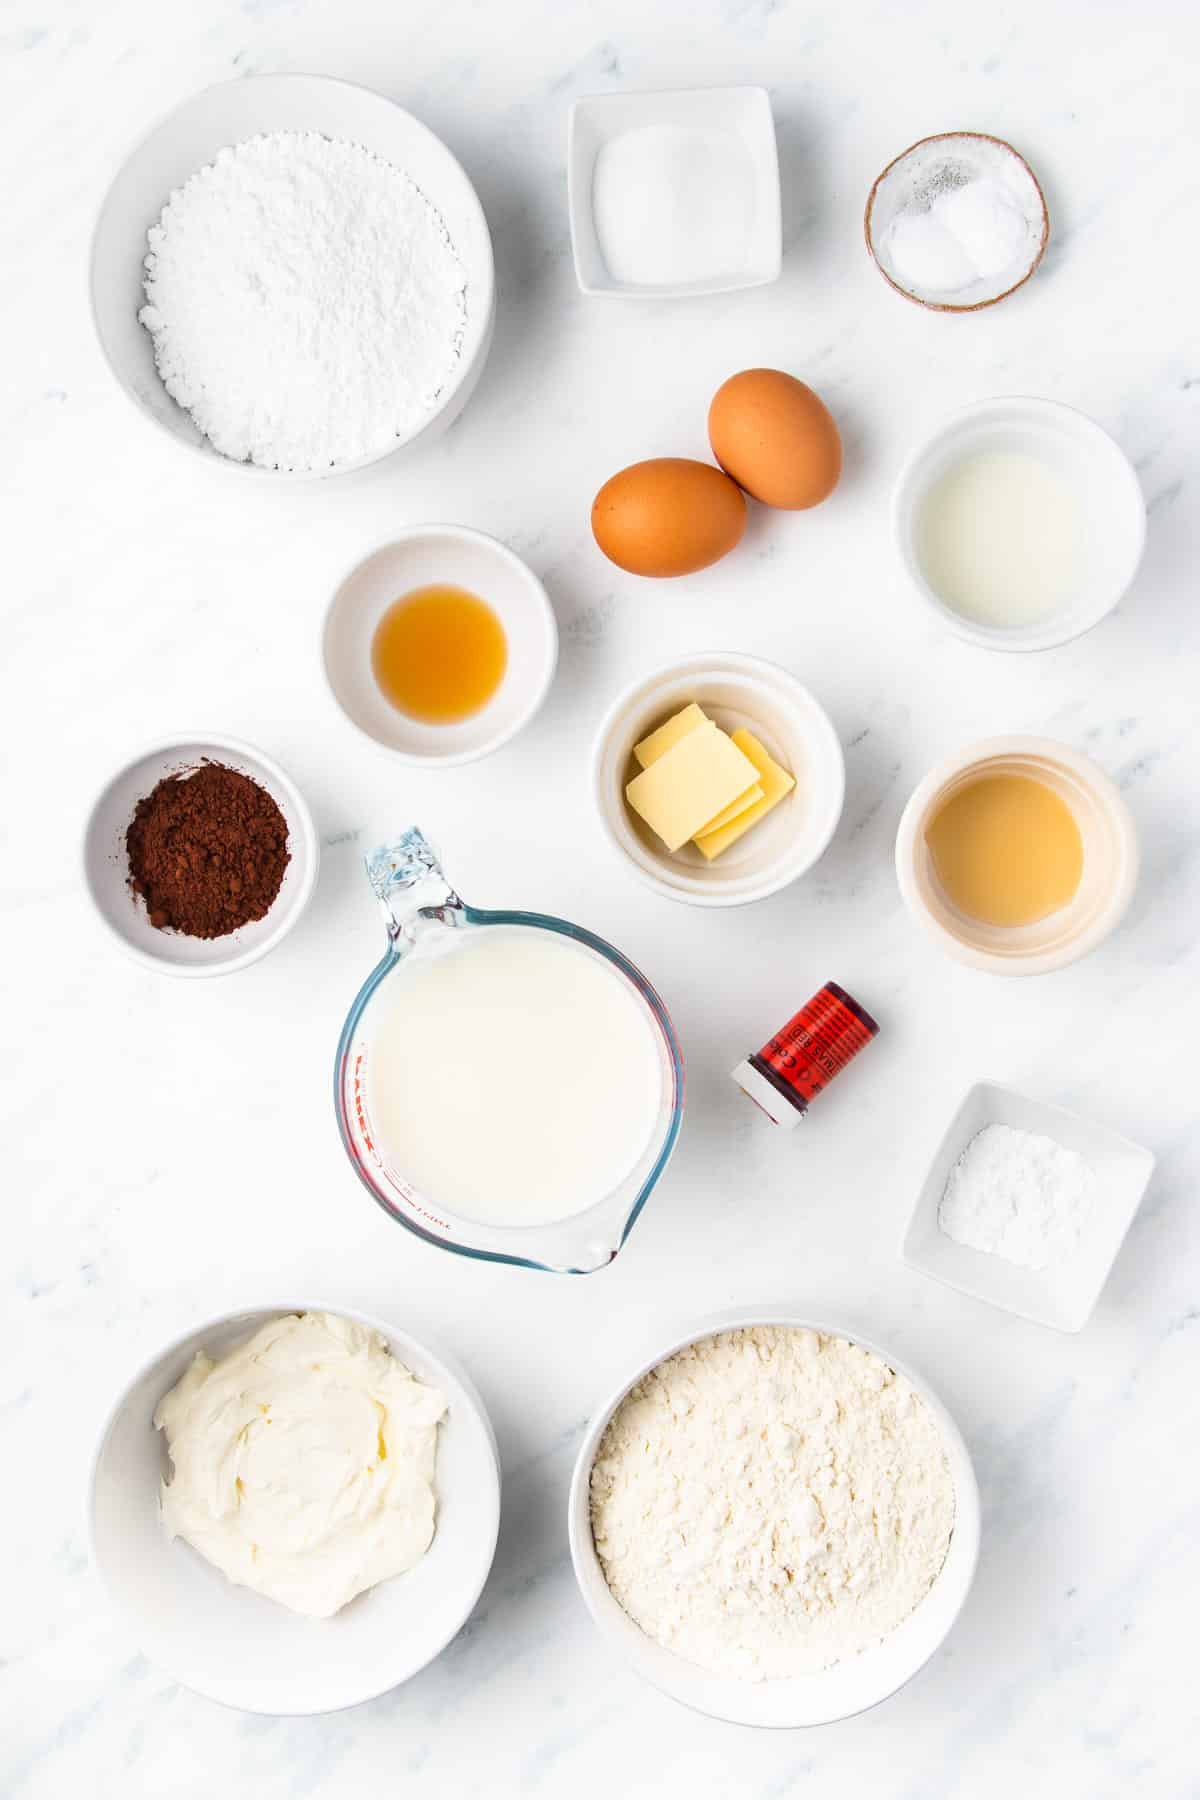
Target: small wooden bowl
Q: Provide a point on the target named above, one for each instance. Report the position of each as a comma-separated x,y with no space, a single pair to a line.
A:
911,173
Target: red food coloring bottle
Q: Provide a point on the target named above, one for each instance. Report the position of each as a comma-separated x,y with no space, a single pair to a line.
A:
805,1054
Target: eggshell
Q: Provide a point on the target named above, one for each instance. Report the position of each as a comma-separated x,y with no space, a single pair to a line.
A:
776,438
668,516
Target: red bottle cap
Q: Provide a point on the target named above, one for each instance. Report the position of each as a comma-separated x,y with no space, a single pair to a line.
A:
792,1067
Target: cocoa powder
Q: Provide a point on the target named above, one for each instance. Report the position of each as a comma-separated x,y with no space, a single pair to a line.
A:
207,851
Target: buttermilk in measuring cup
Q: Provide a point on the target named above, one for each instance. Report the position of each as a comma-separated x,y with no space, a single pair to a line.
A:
517,1079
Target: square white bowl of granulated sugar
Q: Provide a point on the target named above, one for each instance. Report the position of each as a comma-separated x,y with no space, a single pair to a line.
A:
674,193
1076,1262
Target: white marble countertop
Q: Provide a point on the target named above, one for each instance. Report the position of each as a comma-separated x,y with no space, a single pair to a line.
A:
170,1146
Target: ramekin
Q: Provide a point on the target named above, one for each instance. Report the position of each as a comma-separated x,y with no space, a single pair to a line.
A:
106,860
420,555
1090,462
794,728
1110,859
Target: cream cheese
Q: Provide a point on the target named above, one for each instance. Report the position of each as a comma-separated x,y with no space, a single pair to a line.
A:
303,1462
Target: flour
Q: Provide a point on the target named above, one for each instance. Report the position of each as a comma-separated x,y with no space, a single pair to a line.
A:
306,304
769,1502
1019,1195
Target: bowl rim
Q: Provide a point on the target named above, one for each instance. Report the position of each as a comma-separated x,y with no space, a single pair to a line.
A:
1097,781
938,137
247,753
537,590
1046,634
467,364
578,208
430,1349
968,1507
744,666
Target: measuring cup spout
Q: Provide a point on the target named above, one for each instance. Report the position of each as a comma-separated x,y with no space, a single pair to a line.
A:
593,1257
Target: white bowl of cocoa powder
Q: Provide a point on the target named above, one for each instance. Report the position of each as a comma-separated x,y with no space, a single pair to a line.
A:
215,873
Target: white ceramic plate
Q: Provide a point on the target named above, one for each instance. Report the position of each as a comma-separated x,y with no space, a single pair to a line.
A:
416,557
795,730
1062,1296
106,864
742,112
190,137
246,1651
837,1693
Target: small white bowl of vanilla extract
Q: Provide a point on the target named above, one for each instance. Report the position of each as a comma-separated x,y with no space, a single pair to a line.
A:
441,645
1017,854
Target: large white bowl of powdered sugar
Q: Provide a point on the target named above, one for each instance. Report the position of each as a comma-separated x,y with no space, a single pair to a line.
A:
292,276
775,1521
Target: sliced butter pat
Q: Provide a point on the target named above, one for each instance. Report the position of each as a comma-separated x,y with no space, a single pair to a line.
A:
668,735
735,809
691,784
776,783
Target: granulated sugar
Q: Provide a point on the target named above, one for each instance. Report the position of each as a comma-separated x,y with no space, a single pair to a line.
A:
306,303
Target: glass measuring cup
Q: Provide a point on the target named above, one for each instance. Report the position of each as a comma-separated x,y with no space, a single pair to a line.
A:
425,919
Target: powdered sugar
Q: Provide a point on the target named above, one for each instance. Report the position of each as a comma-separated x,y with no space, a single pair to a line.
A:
306,303
1019,1195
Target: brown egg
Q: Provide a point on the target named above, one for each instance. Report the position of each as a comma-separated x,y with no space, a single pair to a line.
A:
776,438
668,516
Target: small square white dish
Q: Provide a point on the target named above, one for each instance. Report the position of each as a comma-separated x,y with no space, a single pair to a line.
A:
743,115
1063,1295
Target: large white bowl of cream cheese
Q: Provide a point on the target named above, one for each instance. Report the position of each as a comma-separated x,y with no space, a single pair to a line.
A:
690,1535
237,1646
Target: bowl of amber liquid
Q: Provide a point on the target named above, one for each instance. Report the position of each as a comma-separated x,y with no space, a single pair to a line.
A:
440,646
1018,855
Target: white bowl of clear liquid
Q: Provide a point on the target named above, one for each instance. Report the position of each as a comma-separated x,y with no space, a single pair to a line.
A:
1020,523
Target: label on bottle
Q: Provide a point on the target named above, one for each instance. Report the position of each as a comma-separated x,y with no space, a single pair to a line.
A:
815,1045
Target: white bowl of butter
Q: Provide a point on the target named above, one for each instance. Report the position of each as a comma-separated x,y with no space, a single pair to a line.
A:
235,1645
788,749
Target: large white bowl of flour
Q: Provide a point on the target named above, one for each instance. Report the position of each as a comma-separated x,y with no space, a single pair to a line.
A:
233,113
693,1556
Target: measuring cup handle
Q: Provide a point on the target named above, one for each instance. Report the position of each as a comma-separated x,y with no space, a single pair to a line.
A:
408,881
